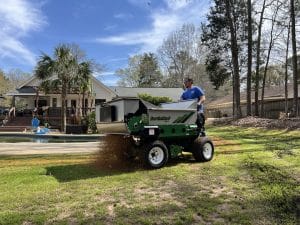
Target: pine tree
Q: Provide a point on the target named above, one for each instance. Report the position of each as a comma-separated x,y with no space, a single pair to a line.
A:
224,36
149,74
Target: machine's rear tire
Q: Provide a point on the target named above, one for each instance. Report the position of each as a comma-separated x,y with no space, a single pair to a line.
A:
156,154
203,149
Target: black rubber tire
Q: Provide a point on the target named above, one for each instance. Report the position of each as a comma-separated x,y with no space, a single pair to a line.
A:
203,149
156,154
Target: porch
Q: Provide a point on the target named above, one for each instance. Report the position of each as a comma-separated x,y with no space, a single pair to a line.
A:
20,119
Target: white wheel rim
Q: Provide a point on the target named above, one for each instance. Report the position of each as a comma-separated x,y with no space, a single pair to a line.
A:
156,156
207,150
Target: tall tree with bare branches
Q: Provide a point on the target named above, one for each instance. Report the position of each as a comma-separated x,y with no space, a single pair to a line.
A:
249,71
294,59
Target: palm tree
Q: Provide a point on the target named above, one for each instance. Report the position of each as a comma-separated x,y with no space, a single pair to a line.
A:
83,81
58,73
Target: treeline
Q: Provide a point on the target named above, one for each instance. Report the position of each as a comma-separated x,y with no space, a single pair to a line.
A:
9,81
243,45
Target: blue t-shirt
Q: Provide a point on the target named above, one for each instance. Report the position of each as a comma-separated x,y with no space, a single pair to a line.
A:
193,93
35,122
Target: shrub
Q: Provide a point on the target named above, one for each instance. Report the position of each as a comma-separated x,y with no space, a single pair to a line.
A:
155,100
91,122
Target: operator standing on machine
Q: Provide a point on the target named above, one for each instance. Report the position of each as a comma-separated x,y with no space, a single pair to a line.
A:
194,92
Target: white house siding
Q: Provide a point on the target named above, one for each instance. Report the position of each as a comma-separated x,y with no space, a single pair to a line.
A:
102,92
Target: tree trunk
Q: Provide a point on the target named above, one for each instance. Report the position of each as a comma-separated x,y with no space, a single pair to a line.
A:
235,63
294,59
249,72
286,106
83,104
63,108
79,106
37,96
258,59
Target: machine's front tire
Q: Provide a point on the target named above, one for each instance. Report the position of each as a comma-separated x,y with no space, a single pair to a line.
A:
156,154
203,149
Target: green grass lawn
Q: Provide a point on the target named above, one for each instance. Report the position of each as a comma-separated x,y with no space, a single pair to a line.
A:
253,179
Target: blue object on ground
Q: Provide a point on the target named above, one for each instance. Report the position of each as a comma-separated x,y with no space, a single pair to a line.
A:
42,131
35,122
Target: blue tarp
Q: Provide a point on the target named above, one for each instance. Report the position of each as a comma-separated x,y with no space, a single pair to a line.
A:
42,131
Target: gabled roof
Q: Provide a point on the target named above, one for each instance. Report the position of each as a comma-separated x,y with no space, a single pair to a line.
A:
27,87
173,93
103,85
28,81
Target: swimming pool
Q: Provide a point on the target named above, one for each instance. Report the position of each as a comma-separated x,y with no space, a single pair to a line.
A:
47,138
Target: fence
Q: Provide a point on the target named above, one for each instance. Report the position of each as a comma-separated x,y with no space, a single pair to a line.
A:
272,108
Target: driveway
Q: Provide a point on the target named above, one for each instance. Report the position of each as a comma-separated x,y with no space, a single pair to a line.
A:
30,148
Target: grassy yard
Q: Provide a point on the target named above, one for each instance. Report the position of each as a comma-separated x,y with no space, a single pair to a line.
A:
253,179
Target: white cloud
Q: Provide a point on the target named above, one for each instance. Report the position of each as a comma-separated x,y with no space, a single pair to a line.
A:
177,4
12,48
105,74
116,59
123,16
109,79
163,22
17,19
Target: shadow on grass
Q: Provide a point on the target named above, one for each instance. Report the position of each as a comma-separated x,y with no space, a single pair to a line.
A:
68,173
279,189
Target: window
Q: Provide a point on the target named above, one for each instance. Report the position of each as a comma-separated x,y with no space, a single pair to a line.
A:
41,103
54,102
73,103
99,101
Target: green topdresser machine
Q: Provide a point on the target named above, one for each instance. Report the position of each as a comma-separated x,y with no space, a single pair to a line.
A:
158,132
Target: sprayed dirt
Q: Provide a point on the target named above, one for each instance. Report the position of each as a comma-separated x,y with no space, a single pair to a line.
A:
117,152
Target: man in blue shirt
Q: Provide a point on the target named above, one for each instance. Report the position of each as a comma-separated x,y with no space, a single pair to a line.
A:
194,92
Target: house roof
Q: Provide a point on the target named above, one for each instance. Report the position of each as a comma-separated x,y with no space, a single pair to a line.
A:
103,85
26,88
26,82
173,93
273,92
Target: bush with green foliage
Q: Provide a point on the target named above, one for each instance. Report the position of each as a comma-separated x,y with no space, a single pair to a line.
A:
155,100
91,122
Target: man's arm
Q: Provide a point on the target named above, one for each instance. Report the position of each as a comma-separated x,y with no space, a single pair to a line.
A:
201,99
201,95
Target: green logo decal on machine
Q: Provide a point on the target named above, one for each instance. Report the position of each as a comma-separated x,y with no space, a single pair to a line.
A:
160,118
183,118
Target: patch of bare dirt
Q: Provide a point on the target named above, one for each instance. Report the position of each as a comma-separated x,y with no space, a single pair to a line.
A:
251,121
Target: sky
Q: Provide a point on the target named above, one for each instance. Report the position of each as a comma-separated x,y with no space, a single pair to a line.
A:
108,31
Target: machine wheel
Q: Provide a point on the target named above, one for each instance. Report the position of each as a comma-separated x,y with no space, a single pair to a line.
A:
156,154
203,149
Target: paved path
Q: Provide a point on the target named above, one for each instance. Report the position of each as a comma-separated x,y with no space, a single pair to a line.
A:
29,148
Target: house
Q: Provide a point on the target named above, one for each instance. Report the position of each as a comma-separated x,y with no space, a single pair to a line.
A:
49,105
28,92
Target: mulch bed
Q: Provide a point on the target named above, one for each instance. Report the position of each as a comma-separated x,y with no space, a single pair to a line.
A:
250,121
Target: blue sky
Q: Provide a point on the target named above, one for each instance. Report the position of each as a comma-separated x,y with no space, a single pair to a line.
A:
109,31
